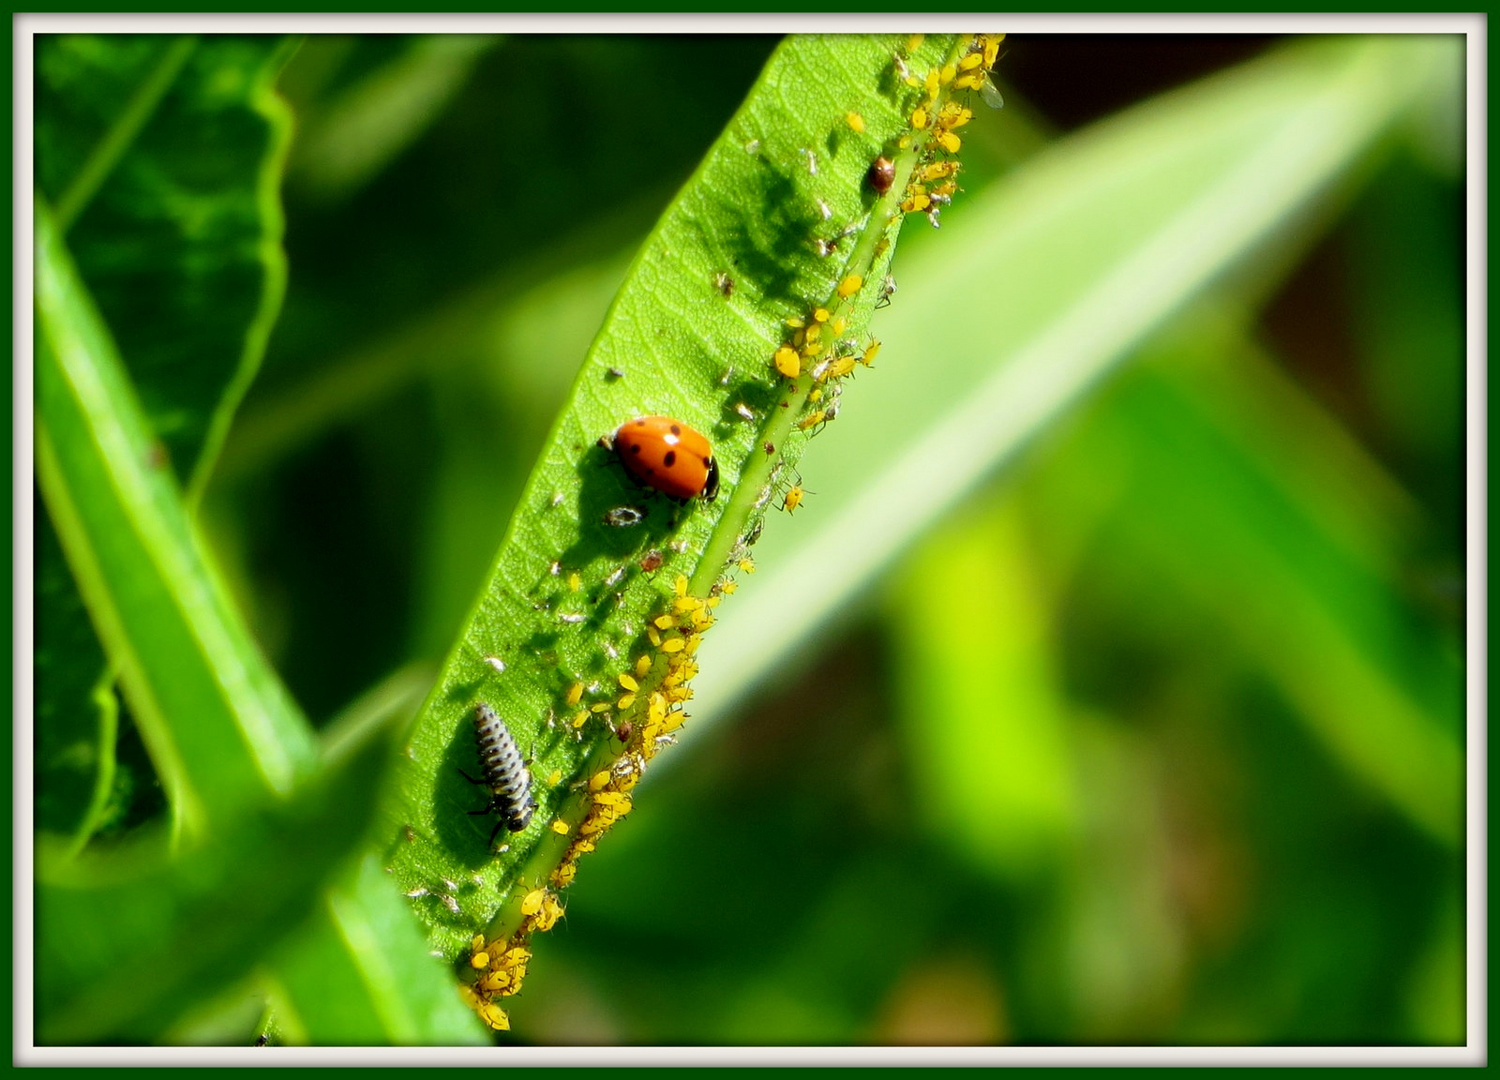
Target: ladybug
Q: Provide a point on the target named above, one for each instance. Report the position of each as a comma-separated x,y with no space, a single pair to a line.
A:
667,455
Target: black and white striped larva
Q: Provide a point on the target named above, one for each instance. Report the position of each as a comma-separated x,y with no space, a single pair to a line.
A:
505,773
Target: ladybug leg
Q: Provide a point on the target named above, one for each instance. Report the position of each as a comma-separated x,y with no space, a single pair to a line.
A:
496,832
470,779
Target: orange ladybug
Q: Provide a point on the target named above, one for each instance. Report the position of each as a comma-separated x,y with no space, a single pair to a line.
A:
667,455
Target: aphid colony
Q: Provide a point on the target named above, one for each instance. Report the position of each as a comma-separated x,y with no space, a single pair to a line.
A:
650,709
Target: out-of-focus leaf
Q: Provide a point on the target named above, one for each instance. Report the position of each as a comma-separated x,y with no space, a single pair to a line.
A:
216,720
124,948
163,154
986,724
358,974
353,137
168,197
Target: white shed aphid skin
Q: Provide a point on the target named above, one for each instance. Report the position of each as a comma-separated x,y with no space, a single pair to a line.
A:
505,773
496,663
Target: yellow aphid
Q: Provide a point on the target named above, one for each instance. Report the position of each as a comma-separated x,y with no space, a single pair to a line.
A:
551,912
477,945
970,62
599,781
515,957
955,116
583,714
991,48
868,359
672,645
914,42
614,801
949,70
494,1016
687,603
713,601
812,419
795,322
629,682
839,324
938,170
815,331
917,203
680,586
850,285
603,706
971,81
839,367
904,142
653,636
811,350
821,315
553,777
563,876
919,118
793,498
573,581
730,588
747,564
480,960
934,77
625,701
663,622
855,121
531,903
949,141
575,692
495,982
560,827
643,665
788,362
583,847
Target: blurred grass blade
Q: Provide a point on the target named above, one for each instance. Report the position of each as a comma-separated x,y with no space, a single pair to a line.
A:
358,974
219,728
347,142
122,950
753,238
1042,284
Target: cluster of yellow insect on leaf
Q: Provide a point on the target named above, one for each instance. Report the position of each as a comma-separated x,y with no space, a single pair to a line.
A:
651,707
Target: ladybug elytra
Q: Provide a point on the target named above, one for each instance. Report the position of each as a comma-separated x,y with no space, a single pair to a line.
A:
667,455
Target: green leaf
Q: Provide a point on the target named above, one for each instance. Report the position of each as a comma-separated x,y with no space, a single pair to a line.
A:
745,246
220,730
164,155
125,946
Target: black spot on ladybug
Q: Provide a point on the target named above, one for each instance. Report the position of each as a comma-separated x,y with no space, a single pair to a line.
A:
670,459
635,448
676,430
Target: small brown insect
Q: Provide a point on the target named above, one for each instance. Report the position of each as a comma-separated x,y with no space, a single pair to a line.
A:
882,174
652,561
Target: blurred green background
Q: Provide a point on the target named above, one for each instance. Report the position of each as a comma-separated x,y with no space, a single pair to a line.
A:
1090,765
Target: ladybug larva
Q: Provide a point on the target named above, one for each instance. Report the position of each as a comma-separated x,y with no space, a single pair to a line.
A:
505,773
